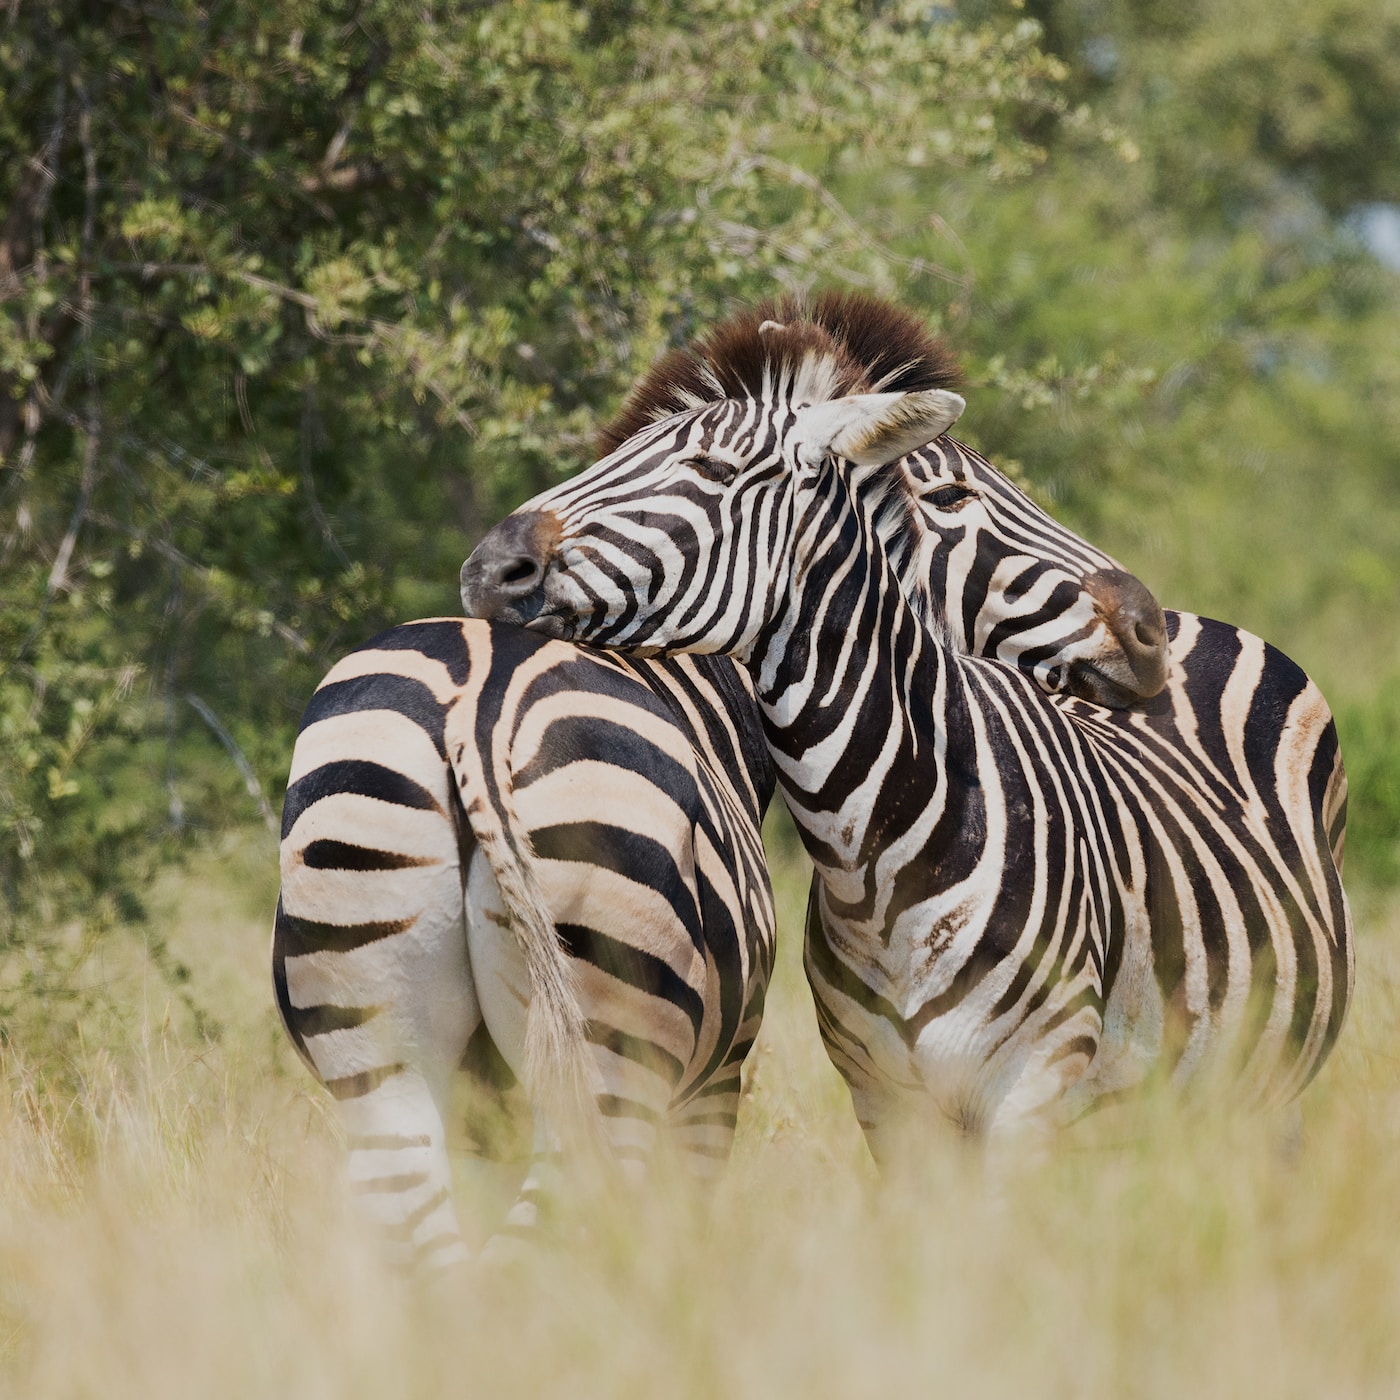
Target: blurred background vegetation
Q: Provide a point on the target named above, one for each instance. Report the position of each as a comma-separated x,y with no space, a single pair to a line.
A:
299,298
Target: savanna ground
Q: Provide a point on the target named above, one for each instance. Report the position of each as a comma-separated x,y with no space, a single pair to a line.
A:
173,1223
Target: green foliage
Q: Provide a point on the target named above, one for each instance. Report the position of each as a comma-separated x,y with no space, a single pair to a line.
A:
1220,414
1370,731
1180,337
299,297
1232,102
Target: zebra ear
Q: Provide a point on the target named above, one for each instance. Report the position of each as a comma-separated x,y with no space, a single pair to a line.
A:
872,429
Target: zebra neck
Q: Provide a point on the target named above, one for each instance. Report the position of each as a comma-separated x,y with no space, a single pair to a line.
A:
863,709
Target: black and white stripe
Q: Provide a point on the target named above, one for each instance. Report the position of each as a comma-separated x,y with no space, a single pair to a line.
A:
1023,903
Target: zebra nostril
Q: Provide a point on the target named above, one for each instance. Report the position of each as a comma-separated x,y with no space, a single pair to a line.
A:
1148,633
518,575
1055,677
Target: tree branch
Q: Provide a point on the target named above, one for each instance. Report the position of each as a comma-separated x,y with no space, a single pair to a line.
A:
354,96
58,574
240,760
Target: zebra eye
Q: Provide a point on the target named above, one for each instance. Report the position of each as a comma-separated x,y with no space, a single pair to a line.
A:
950,497
712,469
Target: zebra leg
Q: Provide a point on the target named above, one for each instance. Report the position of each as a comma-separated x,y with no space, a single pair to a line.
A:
533,1214
702,1126
1039,1079
498,968
372,978
399,1170
705,1112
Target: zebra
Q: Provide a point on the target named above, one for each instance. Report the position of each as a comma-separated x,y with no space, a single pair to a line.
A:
1024,903
392,958
439,768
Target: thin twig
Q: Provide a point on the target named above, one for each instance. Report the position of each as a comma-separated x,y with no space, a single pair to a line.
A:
345,180
250,778
172,608
58,574
353,96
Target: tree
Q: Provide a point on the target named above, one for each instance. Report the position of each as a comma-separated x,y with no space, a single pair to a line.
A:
298,297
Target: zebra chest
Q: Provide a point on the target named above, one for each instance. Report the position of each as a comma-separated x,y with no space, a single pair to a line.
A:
958,992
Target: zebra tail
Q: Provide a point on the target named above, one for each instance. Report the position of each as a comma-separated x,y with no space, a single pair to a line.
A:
558,1070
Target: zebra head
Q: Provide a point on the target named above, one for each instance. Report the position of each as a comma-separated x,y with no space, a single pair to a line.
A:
996,576
677,539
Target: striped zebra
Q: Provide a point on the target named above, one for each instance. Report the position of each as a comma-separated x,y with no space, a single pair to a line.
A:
468,800
1023,902
639,788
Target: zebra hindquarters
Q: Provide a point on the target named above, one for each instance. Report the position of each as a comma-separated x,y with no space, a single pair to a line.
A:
1310,784
1267,921
369,948
739,923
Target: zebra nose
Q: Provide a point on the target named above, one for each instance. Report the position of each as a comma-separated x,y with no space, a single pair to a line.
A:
508,566
1135,618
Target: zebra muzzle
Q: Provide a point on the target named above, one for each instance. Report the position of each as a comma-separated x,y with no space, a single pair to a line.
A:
503,577
1138,670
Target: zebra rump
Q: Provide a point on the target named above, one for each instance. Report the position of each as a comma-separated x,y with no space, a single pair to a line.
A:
634,796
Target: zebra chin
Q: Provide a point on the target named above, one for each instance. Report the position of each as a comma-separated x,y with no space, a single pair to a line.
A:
554,625
1088,682
491,604
522,612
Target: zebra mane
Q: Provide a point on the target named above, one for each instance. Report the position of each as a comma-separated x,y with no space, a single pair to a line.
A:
837,343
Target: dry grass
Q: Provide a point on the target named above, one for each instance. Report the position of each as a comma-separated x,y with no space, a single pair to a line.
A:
177,1228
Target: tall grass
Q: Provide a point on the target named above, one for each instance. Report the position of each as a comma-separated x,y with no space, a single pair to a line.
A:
172,1224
